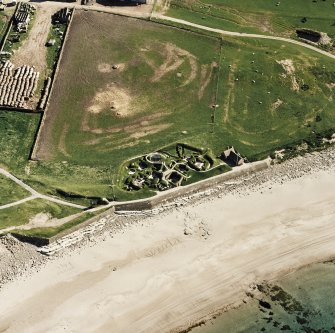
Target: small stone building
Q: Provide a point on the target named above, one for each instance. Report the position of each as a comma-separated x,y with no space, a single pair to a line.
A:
232,157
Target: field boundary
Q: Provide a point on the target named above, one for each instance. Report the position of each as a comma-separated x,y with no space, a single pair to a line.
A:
17,109
9,27
32,155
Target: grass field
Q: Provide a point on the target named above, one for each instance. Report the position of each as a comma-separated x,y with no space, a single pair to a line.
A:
262,101
10,191
47,232
130,87
17,131
54,50
102,116
22,214
4,20
259,16
269,94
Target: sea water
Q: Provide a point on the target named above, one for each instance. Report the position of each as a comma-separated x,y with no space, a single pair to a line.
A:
303,301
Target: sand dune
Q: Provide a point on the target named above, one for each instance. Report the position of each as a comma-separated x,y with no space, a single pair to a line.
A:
154,278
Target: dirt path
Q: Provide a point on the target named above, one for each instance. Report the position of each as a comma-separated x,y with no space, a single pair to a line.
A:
174,58
34,194
42,220
241,34
146,12
19,202
33,50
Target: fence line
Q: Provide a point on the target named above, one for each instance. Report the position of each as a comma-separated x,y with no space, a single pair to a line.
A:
53,78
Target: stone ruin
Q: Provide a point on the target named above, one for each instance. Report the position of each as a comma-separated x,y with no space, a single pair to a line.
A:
314,37
17,86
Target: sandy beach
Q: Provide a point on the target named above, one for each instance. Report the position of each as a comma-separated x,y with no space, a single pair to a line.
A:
170,271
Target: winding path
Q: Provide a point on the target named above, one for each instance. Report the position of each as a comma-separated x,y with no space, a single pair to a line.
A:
147,14
34,194
242,34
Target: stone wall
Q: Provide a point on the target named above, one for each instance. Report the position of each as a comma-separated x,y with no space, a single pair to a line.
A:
164,197
53,78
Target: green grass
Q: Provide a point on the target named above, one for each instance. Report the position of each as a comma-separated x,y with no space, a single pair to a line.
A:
53,51
83,152
262,16
10,191
110,139
49,232
4,20
197,176
17,131
255,128
21,214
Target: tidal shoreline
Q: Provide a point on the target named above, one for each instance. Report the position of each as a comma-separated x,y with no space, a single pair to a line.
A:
297,302
168,272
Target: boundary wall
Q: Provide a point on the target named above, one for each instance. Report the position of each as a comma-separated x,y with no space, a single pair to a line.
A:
53,78
9,27
15,109
203,185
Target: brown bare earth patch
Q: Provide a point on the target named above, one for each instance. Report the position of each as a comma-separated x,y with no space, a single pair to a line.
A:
33,50
276,105
41,220
287,65
136,132
248,143
108,68
148,130
138,124
289,69
117,100
230,96
331,85
205,77
61,143
174,58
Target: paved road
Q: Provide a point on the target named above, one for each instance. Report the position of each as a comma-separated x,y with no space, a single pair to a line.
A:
34,194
